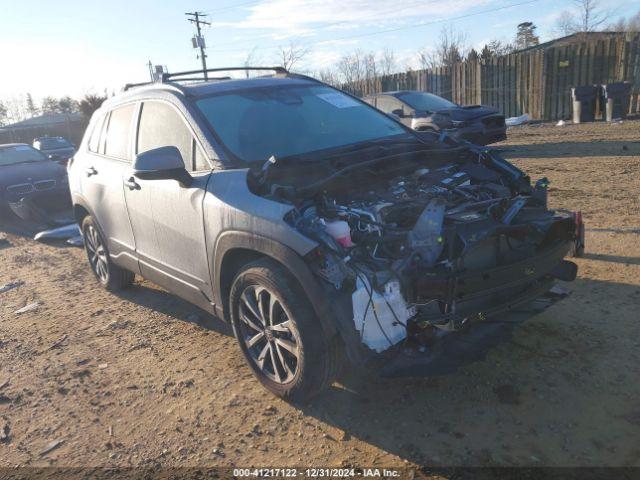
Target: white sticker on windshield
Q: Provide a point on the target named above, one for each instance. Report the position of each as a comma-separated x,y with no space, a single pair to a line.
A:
338,100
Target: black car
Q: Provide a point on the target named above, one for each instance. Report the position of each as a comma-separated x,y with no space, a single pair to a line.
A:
428,112
30,181
58,149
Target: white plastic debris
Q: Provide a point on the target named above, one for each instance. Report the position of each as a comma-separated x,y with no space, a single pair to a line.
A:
28,308
373,314
561,123
61,233
514,121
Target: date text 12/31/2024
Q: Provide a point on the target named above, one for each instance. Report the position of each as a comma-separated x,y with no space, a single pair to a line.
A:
316,473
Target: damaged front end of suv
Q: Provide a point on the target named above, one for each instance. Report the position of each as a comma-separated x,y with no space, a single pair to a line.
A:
428,248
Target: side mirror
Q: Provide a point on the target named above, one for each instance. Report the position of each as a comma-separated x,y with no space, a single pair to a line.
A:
398,112
164,163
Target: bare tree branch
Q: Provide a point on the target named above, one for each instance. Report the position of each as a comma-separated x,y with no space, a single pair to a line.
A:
251,60
291,55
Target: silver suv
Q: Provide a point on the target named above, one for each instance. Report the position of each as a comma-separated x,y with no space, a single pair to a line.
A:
320,228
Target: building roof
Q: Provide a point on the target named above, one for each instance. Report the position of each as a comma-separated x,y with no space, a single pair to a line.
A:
575,38
46,119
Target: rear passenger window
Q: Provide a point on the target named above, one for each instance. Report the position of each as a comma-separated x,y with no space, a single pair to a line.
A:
94,139
161,126
119,132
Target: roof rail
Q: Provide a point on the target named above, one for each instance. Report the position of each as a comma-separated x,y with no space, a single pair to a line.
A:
127,86
172,76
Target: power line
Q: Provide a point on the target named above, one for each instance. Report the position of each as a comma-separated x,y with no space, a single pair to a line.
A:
396,29
198,40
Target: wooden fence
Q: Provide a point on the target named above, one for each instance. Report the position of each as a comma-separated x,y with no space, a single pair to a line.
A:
536,81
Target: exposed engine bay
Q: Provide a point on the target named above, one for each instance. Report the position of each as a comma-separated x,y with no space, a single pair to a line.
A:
426,240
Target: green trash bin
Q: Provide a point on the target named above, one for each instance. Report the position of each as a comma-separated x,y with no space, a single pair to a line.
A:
584,103
615,98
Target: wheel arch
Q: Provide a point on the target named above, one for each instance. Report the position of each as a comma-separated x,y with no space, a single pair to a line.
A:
81,210
236,249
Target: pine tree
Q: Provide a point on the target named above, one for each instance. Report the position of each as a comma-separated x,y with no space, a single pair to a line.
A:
31,107
526,36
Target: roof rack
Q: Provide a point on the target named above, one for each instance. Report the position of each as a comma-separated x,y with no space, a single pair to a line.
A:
169,78
175,76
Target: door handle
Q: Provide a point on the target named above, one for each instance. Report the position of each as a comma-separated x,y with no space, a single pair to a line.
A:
131,184
91,171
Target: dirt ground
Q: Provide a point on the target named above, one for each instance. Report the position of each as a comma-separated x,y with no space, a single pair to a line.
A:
144,379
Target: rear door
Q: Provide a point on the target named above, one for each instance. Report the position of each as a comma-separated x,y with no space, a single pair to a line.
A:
107,159
166,216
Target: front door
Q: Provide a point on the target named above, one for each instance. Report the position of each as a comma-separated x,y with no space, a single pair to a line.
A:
167,217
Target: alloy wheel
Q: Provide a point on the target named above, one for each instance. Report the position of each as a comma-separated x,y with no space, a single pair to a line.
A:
269,334
97,254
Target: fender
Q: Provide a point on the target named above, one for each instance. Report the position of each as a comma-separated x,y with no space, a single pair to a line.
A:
77,200
232,240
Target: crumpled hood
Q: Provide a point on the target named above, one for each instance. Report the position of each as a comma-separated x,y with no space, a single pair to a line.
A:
30,172
468,112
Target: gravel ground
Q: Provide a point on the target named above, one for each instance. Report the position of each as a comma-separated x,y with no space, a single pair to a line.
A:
142,378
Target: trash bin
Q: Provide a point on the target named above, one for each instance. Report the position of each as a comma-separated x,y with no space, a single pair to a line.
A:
584,103
615,98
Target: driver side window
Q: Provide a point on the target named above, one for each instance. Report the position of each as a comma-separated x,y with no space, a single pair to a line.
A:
161,126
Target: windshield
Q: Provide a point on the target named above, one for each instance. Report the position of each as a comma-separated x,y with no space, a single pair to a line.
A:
20,154
288,120
52,143
425,101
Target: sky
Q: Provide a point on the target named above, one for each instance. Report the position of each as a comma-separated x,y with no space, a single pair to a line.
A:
74,47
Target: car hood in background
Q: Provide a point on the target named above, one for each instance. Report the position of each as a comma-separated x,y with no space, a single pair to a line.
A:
30,172
63,152
470,112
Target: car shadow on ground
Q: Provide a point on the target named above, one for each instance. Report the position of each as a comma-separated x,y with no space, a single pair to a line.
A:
154,298
573,149
510,408
613,258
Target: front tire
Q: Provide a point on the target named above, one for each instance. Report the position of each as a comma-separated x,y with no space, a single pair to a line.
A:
279,333
110,276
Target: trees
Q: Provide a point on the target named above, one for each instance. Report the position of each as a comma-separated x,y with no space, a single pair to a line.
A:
90,103
449,49
586,16
4,114
291,55
31,108
387,62
496,48
251,60
526,36
64,104
631,24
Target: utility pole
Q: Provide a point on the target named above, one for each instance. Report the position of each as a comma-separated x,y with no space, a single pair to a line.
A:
198,40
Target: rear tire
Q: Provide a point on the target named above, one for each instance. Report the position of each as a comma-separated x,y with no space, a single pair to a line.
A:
110,276
279,333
